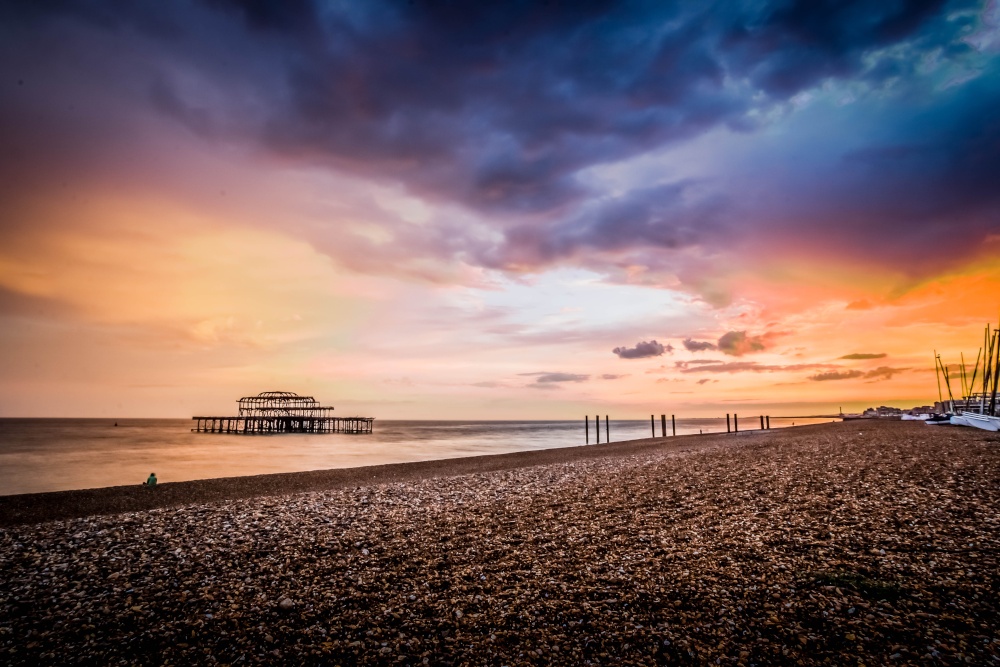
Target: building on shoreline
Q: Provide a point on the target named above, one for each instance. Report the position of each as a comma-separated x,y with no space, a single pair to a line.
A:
882,411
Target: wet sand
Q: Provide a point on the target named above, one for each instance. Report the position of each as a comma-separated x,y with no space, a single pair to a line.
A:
846,543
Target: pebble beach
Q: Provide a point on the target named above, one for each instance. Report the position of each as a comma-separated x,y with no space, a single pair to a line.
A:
854,543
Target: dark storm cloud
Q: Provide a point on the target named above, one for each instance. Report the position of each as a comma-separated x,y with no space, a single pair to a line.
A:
500,106
669,217
922,174
496,105
642,350
787,47
864,355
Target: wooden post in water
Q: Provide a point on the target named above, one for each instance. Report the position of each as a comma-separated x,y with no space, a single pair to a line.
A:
728,429
607,430
736,423
652,426
768,422
586,428
673,424
597,429
663,426
762,422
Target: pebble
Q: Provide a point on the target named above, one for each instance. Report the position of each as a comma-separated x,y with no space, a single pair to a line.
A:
802,546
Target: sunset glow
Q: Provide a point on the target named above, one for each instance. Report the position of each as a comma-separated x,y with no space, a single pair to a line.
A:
415,211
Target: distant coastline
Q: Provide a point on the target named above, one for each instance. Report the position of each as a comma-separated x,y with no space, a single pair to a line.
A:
809,417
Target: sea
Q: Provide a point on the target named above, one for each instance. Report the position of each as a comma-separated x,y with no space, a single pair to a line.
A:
39,455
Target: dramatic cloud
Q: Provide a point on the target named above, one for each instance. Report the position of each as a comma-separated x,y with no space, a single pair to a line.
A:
826,169
836,375
511,112
642,350
737,343
669,216
864,355
698,345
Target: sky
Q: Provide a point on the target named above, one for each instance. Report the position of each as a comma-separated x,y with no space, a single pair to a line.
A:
517,210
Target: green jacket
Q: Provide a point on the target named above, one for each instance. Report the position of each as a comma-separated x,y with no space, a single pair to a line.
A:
151,481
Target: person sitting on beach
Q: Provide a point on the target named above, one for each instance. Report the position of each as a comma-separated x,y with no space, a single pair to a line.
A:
151,480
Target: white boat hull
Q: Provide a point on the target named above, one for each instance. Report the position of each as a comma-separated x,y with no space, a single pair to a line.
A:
985,422
959,420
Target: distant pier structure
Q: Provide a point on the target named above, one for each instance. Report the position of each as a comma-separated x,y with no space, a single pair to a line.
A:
282,412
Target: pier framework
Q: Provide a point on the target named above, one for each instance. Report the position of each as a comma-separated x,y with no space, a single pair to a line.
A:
273,412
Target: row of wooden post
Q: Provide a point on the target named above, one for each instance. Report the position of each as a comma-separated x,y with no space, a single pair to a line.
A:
731,427
597,428
663,425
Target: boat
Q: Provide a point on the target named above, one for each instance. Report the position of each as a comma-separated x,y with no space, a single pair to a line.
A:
910,418
978,409
959,420
985,422
938,420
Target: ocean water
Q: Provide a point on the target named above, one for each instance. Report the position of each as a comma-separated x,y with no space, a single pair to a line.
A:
39,455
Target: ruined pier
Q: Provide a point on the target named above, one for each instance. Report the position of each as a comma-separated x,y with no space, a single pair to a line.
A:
273,412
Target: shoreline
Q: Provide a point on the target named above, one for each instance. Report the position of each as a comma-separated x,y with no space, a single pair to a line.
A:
29,508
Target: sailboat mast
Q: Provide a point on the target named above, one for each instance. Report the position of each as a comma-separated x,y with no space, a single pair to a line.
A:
996,371
965,390
987,362
947,383
972,382
937,374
